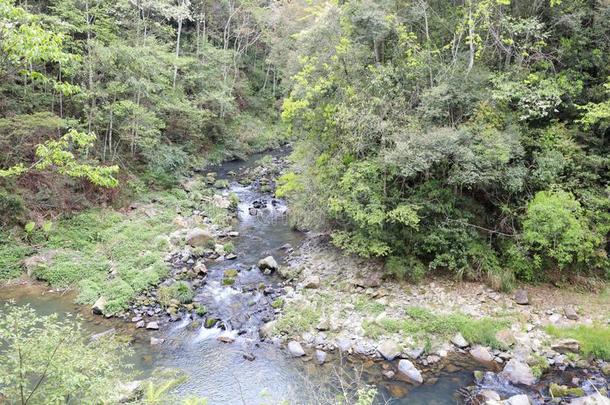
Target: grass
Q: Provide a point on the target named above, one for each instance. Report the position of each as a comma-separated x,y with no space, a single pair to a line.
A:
298,318
594,340
422,322
180,291
105,252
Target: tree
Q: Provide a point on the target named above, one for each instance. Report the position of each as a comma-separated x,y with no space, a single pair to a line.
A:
47,360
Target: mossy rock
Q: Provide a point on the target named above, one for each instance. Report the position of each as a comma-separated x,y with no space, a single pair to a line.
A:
231,273
201,310
277,303
559,391
196,324
210,322
228,281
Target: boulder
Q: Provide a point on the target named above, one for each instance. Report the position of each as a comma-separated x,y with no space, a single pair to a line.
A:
407,370
521,297
389,350
518,372
459,341
506,337
566,346
312,282
320,356
481,354
518,400
268,263
198,237
489,395
152,326
295,349
570,313
99,306
226,338
266,331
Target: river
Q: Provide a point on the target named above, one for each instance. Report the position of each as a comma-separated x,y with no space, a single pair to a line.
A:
220,371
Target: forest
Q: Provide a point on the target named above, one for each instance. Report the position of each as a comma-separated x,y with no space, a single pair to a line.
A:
464,136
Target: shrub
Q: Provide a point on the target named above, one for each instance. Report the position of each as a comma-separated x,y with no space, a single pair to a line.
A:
11,208
405,268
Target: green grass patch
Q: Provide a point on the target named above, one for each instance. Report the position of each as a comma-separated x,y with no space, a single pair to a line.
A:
298,318
424,323
594,340
12,254
366,305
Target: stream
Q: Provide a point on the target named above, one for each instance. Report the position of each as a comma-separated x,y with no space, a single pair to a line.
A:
225,373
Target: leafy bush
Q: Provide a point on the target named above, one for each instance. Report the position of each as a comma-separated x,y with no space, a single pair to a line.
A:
405,268
12,254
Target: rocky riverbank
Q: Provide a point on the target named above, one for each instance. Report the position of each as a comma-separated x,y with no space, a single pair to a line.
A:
337,303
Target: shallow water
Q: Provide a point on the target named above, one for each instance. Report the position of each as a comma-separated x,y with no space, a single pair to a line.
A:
219,371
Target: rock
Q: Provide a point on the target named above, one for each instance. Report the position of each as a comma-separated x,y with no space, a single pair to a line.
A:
518,400
198,237
566,346
389,350
595,399
481,354
140,324
268,263
344,344
415,353
152,326
225,338
320,356
324,325
489,395
295,349
506,337
373,280
249,356
103,334
312,282
32,263
156,341
364,348
126,392
266,331
389,374
408,370
99,306
570,313
200,269
554,318
518,372
459,341
521,297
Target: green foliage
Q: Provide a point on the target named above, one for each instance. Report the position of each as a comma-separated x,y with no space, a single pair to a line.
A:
11,208
594,340
48,360
405,268
555,227
12,254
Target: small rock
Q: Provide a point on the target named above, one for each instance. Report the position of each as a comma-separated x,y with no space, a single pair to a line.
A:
506,337
295,349
408,370
268,263
156,341
249,356
225,338
152,326
518,372
344,344
481,354
99,306
415,353
570,313
198,237
312,282
324,325
389,374
389,350
459,341
518,400
555,318
140,324
566,346
521,297
320,356
489,395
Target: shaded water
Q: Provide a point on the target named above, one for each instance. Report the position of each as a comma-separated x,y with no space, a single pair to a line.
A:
219,371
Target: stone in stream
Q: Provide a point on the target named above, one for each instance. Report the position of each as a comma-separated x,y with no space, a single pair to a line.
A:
389,349
518,372
268,263
481,354
408,370
152,326
320,356
225,338
295,349
101,335
489,395
156,341
518,400
521,297
99,306
312,282
459,341
198,237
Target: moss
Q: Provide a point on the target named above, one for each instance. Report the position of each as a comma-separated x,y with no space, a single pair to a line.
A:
594,340
210,322
229,247
539,365
228,281
277,303
231,273
201,310
558,391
